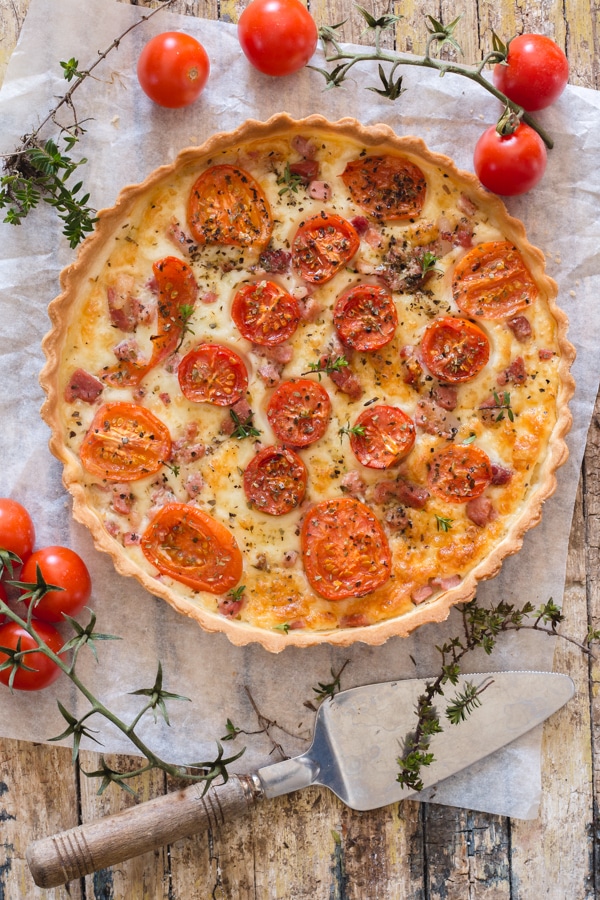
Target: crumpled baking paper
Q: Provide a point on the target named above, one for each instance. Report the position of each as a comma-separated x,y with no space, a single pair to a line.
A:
126,137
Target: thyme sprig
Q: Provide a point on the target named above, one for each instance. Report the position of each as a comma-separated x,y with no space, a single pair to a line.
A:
481,629
78,727
41,168
439,37
326,366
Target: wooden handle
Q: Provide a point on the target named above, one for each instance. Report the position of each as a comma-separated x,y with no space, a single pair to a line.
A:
96,845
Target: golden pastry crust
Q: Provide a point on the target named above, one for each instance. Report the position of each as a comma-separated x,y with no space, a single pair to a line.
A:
513,408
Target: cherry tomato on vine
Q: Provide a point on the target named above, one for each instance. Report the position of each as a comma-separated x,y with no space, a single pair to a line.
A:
17,533
277,36
40,671
62,567
510,164
173,69
535,73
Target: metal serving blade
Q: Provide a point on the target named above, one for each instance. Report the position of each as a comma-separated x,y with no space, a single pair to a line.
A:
360,733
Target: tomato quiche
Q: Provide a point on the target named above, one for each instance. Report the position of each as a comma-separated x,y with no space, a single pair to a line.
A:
308,383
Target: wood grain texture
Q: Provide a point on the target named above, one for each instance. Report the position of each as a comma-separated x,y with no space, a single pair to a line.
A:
309,846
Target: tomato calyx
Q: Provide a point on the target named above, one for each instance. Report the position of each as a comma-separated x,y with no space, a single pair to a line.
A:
509,121
33,592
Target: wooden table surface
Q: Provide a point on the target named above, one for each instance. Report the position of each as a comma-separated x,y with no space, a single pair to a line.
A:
308,846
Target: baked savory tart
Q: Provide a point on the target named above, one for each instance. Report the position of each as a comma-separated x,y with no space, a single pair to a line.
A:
308,383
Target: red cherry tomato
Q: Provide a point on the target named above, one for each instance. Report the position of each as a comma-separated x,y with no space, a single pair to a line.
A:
277,36
17,533
454,350
44,671
299,412
275,480
322,246
510,164
491,281
535,73
228,206
190,546
265,313
62,567
344,549
385,437
459,473
125,442
173,69
213,374
365,317
387,187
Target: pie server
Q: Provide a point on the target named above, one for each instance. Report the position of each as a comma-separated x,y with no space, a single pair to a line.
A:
359,735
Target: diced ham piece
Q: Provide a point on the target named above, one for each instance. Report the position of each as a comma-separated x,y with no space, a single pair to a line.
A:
412,370
279,353
306,169
481,511
122,499
402,490
276,261
193,485
360,224
208,297
83,386
500,475
445,582
304,146
319,190
310,309
396,518
129,350
296,624
420,594
514,374
373,237
269,373
230,607
354,620
520,327
188,448
463,236
432,419
446,396
243,412
179,238
353,484
123,309
131,539
290,557
347,382
545,354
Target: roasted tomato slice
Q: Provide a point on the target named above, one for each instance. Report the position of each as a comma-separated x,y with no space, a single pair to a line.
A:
264,313
493,282
322,246
213,374
459,473
454,350
228,206
275,480
191,547
125,442
299,412
382,436
365,317
387,187
177,294
344,549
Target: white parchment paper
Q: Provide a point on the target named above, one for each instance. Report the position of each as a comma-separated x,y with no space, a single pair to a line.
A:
127,136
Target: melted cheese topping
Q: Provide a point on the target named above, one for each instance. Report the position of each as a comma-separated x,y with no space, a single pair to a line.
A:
438,540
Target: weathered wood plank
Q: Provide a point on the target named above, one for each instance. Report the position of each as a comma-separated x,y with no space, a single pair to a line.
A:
38,796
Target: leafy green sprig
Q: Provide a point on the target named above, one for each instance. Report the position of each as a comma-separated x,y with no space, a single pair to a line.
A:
481,629
41,168
78,727
439,37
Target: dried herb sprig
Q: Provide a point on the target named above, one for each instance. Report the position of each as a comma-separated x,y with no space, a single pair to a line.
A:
481,628
155,703
42,168
439,37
